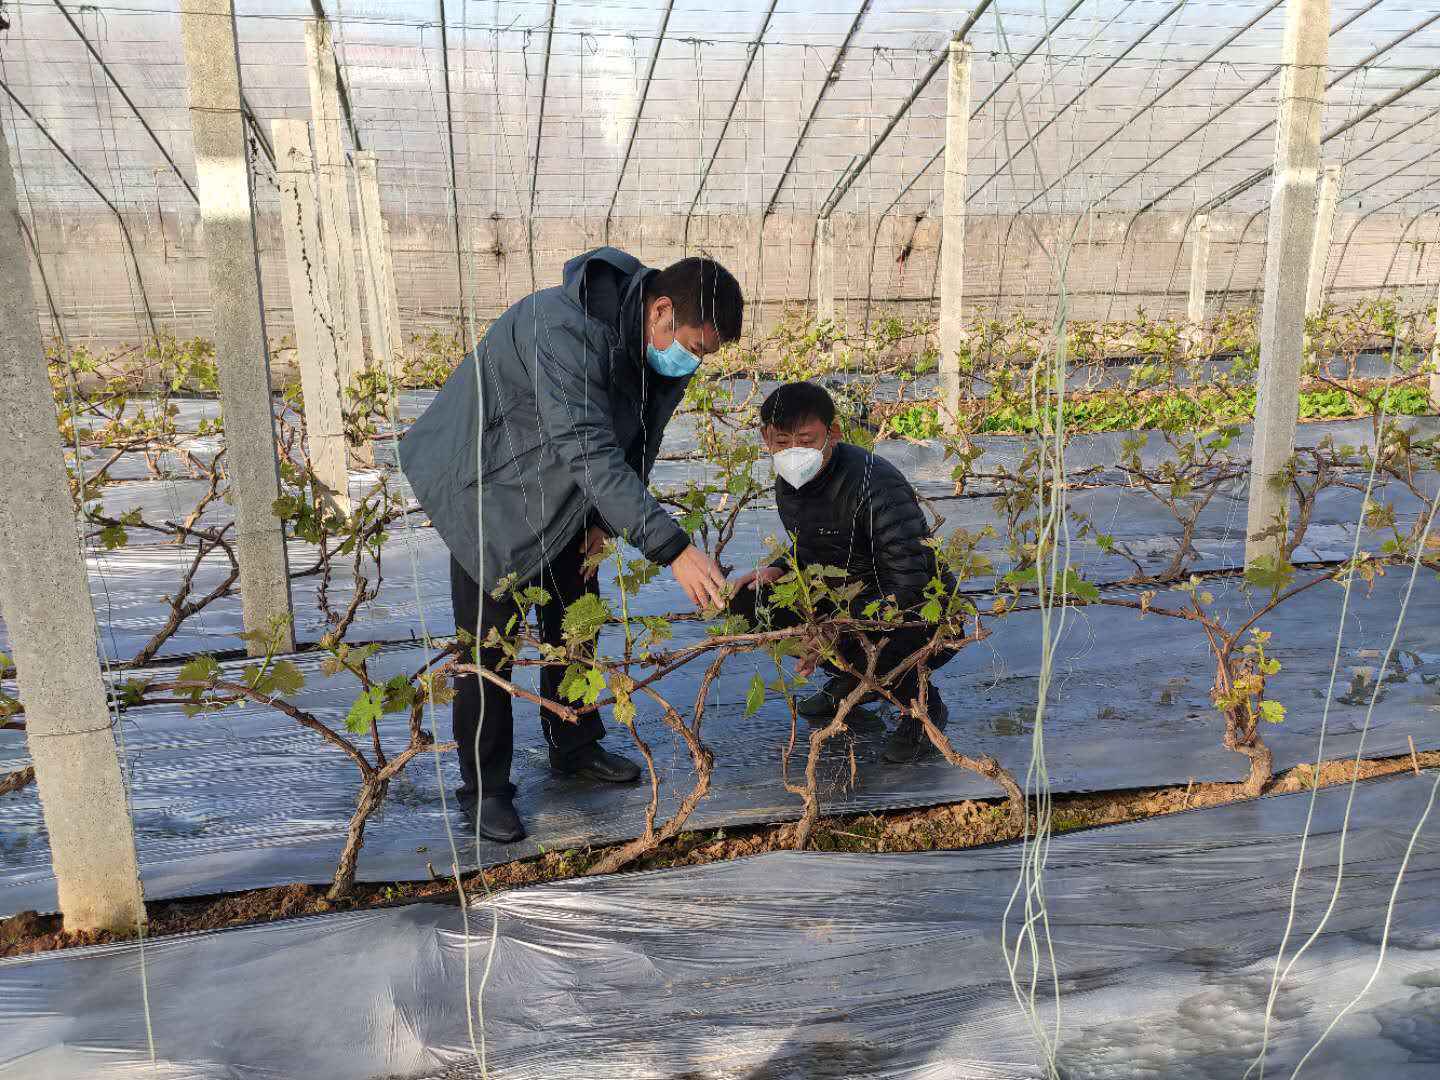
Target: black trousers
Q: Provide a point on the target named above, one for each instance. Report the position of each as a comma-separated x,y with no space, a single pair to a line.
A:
895,646
483,713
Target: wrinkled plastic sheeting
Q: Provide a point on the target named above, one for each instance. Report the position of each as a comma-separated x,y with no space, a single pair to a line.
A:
799,966
924,462
245,798
129,586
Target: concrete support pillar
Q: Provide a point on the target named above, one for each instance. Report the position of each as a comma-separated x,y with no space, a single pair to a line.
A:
1199,269
392,291
379,304
824,271
392,295
1287,262
207,30
333,183
315,342
45,595
755,286
952,230
1320,241
1435,361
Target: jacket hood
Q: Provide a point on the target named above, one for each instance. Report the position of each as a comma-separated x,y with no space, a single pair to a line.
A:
613,258
608,284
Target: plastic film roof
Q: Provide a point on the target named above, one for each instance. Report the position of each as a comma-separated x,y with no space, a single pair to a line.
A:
1059,95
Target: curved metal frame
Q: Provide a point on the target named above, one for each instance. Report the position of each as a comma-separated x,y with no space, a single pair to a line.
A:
119,218
831,78
751,52
939,61
639,113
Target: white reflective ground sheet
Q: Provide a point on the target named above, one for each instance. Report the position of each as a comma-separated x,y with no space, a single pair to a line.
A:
800,966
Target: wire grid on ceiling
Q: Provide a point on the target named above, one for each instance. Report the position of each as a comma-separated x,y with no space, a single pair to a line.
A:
1154,109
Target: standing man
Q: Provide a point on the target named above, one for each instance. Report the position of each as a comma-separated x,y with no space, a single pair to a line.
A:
526,470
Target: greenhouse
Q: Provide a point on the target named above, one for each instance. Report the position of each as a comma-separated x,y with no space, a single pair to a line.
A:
808,539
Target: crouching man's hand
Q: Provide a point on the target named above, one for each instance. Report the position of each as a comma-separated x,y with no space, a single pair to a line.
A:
701,578
756,579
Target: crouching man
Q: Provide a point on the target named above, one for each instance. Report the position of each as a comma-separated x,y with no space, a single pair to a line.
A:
847,508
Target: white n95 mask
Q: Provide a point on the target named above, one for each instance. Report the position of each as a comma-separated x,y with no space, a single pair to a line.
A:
798,465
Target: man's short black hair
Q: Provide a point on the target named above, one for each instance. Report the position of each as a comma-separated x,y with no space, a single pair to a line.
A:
703,292
791,405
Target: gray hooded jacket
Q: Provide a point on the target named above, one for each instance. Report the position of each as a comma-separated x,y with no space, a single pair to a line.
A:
568,421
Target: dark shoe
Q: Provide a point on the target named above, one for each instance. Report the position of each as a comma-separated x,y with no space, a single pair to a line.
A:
465,797
594,762
821,706
909,742
498,821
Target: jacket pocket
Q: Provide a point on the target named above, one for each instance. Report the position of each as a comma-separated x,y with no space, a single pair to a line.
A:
505,449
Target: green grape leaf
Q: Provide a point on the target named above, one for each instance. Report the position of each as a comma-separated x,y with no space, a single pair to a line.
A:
756,695
730,626
1270,572
622,685
659,628
572,683
584,618
1078,587
366,711
253,676
533,594
399,694
132,691
113,536
625,711
594,686
582,684
200,670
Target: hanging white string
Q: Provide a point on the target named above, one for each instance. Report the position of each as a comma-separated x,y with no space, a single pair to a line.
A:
1033,936
1279,974
1054,587
476,1038
1384,933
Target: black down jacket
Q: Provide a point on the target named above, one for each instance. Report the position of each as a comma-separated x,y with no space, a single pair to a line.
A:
861,514
562,430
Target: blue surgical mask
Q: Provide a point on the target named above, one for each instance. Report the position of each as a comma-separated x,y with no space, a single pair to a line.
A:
675,360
